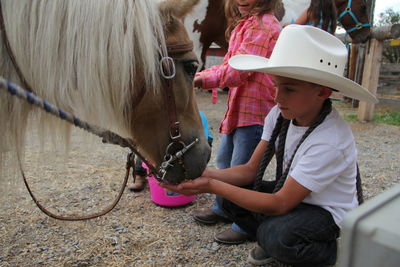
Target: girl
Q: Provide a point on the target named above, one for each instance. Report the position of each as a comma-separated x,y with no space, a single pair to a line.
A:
321,14
252,29
295,218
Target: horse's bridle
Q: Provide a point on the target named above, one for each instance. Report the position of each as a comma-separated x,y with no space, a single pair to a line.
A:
177,148
349,11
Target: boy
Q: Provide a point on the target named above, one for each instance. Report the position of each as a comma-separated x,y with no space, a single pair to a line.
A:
295,218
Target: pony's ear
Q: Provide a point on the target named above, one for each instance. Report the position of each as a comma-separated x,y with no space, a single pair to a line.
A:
178,8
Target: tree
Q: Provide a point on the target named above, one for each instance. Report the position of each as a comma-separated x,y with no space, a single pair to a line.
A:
390,17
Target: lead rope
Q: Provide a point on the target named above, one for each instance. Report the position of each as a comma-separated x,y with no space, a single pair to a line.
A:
107,137
129,165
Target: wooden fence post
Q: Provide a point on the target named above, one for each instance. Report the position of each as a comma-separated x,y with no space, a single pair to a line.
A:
370,78
353,62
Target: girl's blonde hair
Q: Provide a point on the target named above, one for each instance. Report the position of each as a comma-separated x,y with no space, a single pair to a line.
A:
233,16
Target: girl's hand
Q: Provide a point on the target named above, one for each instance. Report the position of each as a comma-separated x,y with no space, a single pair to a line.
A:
194,187
197,81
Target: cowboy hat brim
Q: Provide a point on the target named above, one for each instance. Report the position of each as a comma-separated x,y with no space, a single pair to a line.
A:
345,86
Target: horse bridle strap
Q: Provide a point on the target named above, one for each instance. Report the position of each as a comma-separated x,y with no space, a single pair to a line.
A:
348,10
179,48
168,72
176,149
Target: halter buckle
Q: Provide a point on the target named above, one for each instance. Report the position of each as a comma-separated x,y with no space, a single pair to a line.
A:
167,68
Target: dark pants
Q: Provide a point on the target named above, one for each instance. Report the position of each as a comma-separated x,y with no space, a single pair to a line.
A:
304,237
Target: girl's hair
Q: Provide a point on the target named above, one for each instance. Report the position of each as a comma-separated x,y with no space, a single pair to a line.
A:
324,12
233,16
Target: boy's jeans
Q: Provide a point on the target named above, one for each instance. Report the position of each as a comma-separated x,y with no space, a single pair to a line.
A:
236,149
306,236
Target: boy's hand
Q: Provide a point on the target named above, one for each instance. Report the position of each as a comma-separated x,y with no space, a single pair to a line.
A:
194,187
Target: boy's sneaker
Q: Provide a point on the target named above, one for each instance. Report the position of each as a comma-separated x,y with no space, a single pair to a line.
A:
257,256
207,216
231,237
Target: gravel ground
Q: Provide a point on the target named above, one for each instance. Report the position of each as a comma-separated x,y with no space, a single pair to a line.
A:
138,232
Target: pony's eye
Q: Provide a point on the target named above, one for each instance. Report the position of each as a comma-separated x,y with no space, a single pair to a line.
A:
191,67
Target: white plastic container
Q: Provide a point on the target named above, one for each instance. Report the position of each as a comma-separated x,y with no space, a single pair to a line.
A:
371,233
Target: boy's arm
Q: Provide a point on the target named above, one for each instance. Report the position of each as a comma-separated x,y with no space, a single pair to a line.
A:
281,202
240,175
226,182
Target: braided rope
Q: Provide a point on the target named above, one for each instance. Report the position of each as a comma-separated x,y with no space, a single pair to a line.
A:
280,130
360,193
268,154
326,109
281,148
107,136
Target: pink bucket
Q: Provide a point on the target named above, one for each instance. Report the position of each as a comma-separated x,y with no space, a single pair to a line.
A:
163,197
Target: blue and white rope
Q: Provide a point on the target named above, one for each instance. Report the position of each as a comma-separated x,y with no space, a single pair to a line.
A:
107,136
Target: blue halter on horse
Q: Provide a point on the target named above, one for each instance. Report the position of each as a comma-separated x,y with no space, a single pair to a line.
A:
359,25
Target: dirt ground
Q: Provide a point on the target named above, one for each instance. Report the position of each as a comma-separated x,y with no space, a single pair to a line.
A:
138,232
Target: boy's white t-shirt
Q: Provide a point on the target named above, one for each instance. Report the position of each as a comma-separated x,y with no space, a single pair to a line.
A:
325,163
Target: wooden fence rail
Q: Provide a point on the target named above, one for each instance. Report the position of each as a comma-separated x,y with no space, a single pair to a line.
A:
372,64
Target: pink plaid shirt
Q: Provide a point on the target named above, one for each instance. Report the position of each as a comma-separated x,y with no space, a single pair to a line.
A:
251,94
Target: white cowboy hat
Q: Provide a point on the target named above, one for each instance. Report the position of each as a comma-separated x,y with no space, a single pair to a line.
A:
309,54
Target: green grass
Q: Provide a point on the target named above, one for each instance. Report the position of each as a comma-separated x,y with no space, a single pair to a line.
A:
392,118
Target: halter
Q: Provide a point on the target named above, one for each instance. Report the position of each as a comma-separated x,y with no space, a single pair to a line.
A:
359,25
176,148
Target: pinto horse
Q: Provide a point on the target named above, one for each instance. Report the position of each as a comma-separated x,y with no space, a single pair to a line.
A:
101,60
207,23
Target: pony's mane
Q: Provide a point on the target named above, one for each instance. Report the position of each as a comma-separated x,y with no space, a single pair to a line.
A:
86,56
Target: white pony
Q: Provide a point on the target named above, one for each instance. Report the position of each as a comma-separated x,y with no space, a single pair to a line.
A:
100,60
